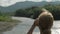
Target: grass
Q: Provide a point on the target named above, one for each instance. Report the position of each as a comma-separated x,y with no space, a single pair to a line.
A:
7,19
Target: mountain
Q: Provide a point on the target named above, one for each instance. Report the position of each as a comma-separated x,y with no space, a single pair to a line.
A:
26,4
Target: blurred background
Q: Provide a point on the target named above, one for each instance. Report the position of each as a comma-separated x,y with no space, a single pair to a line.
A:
29,8
24,12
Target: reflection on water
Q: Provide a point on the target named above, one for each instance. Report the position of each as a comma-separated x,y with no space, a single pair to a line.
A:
22,28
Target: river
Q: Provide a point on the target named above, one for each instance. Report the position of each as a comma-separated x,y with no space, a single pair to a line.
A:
24,26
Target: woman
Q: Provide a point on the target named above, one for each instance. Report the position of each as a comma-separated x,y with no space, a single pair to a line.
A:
44,22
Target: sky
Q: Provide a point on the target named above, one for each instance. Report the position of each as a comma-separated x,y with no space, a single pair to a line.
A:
11,2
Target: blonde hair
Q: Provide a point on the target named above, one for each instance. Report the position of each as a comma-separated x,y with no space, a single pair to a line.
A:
44,11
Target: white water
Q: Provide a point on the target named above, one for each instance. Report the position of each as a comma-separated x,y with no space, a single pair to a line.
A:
22,28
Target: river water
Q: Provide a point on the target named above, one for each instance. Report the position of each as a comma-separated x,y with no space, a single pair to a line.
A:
24,26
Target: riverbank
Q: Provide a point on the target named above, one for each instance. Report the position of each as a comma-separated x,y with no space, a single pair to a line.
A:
24,26
8,25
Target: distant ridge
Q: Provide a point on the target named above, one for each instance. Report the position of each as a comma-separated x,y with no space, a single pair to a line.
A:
26,4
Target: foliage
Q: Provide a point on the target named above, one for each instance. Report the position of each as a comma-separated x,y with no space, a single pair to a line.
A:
5,18
55,10
33,12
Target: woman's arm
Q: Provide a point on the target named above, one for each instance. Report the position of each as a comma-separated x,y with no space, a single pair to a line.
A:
31,29
33,26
